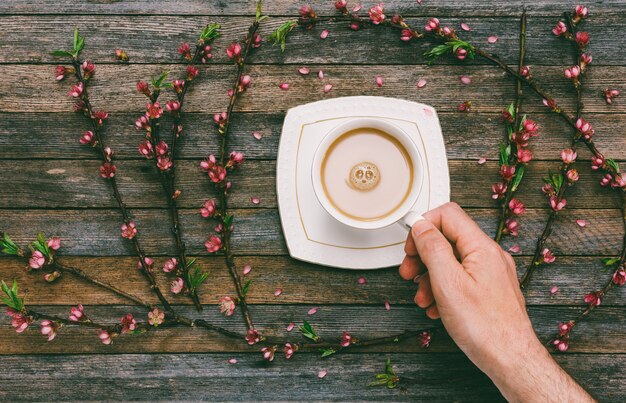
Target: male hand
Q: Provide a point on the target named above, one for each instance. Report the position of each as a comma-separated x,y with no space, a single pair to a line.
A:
468,281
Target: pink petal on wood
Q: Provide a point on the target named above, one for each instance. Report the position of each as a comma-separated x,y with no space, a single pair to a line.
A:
257,135
421,83
379,81
554,290
581,223
255,200
312,311
492,39
304,70
247,269
515,249
465,27
278,292
322,373
291,326
356,8
284,86
362,280
482,160
324,34
320,74
387,306
428,112
465,80
232,361
328,87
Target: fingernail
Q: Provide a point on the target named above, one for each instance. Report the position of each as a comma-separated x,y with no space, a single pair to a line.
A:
417,279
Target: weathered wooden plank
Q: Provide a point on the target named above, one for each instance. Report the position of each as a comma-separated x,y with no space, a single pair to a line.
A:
300,282
467,136
96,232
602,332
113,87
155,40
76,184
285,7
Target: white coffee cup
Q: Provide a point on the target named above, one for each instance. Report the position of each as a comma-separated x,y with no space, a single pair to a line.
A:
404,214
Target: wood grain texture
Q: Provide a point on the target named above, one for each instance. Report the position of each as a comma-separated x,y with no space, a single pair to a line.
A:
302,283
257,231
113,87
76,184
466,136
603,332
149,39
287,7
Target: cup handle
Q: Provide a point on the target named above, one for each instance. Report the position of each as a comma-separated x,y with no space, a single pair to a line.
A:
410,219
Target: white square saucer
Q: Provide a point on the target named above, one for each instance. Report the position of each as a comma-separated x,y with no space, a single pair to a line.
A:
314,236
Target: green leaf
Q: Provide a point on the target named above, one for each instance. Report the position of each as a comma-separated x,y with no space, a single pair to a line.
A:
610,261
210,32
517,179
76,39
308,331
511,110
61,53
327,351
614,165
196,277
505,153
259,6
521,123
280,35
158,82
246,287
438,51
228,220
8,247
389,378
388,368
13,300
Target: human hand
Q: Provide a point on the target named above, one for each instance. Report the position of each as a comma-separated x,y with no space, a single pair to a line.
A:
468,281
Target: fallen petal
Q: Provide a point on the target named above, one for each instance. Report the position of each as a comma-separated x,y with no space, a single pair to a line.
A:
421,83
320,74
515,249
257,135
379,81
328,87
232,361
554,290
312,311
482,160
247,269
387,306
465,27
322,373
362,280
581,223
492,39
356,8
428,112
291,326
284,86
278,292
465,79
255,200
324,34
304,70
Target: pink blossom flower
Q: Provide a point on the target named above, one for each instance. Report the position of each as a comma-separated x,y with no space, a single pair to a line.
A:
192,72
596,162
76,90
584,128
49,328
156,317
128,322
581,12
425,338
346,339
498,190
244,83
406,35
143,123
89,69
236,158
256,40
234,51
572,72
214,244
164,163
609,95
341,5
582,39
521,138
178,85
142,87
619,277
531,127
170,265
289,350
154,111
594,298
585,59
517,207
377,13
306,12
37,260
77,313
253,337
432,24
524,155
54,243
565,328
145,149
548,257
208,209
227,306
161,148
99,116
560,345
524,71
172,106
176,286
185,51
507,172
572,175
128,230
220,118
268,353
60,72
105,337
557,204
559,29
19,321
568,155
217,174
87,138
448,32
511,226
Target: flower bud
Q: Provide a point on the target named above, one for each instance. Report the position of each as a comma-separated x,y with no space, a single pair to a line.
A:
559,29
572,175
432,25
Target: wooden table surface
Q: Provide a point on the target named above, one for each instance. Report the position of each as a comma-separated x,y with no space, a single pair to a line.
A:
51,183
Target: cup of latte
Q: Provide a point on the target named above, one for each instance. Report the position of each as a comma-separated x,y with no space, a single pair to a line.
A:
368,173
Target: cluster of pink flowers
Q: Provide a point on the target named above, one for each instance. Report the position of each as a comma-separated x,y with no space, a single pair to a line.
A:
205,52
425,338
128,322
43,255
561,342
609,95
19,321
77,314
308,17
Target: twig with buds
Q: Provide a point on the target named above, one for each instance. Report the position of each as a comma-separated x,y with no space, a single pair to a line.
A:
83,71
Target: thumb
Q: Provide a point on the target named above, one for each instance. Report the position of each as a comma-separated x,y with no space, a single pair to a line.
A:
435,252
